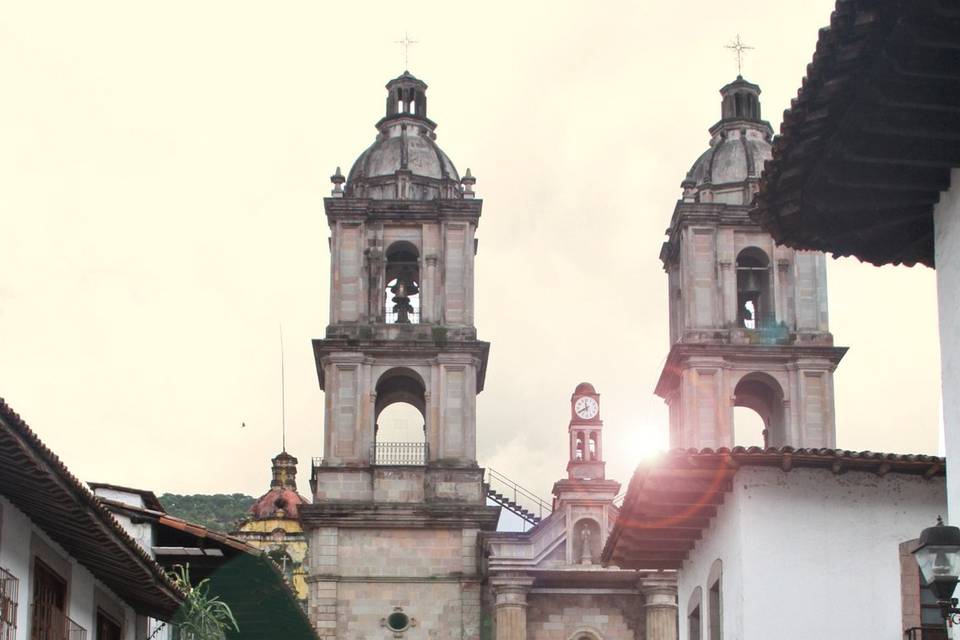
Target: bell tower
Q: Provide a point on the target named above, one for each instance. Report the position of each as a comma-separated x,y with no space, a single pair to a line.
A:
393,525
748,318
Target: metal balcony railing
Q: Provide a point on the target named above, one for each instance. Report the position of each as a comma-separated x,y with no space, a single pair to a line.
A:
50,623
411,454
9,589
925,633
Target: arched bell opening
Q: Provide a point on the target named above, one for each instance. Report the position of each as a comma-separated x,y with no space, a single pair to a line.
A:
754,302
403,283
400,419
761,394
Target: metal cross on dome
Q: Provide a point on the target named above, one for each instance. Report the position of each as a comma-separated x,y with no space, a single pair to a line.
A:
738,47
405,43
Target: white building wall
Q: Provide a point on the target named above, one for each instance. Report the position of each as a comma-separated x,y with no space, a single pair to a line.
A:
16,555
810,554
722,539
946,222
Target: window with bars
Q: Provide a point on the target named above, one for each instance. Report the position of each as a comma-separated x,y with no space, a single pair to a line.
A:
9,596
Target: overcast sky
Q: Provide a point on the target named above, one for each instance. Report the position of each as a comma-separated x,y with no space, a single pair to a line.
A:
162,170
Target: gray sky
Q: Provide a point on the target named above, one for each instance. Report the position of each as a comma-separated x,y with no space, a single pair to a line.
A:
162,170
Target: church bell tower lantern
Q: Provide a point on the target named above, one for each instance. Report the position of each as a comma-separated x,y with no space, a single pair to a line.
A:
401,335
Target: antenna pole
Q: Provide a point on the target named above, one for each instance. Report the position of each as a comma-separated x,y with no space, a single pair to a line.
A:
283,395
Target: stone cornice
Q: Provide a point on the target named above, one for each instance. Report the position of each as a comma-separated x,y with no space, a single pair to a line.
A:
361,209
731,354
389,515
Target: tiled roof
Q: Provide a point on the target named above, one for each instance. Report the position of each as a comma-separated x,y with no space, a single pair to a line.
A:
242,575
35,480
867,145
672,498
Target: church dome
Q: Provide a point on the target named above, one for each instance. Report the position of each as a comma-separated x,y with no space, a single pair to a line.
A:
282,500
740,144
404,162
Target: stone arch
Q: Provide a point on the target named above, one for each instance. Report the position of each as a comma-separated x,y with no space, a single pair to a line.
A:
400,409
763,394
402,278
586,547
585,633
755,308
400,384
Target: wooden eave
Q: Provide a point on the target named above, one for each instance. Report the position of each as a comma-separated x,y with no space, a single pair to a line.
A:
869,142
35,480
671,502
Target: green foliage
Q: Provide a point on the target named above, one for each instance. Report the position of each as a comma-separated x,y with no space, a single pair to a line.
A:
219,512
202,616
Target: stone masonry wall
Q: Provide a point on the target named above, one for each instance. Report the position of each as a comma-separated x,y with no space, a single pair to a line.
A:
360,576
559,616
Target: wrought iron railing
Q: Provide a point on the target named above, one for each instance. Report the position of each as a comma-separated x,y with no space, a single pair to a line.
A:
391,316
50,623
412,454
9,589
925,633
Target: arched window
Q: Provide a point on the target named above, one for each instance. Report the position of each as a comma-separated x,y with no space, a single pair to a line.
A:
754,302
761,395
403,283
715,601
399,419
592,446
694,616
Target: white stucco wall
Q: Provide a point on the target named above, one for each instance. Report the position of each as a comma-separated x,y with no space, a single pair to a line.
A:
16,555
946,222
809,554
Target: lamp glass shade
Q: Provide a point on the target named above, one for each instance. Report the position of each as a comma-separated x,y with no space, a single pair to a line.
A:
939,563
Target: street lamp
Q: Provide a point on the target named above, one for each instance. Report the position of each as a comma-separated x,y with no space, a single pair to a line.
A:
939,558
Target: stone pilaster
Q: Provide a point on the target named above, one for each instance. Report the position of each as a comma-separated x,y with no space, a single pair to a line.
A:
510,592
661,608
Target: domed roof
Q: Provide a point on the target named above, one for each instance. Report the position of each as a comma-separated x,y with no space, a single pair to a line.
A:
584,388
278,503
282,500
404,162
740,144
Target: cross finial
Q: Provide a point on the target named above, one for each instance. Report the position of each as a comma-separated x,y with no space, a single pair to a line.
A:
405,43
738,47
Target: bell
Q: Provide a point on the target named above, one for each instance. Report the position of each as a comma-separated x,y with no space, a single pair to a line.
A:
750,281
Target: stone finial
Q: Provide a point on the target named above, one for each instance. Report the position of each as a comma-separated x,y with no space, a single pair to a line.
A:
337,179
468,181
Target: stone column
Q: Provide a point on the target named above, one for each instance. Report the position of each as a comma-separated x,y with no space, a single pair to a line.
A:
661,608
510,592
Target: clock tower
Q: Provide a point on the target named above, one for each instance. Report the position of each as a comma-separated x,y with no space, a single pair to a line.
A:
393,525
585,430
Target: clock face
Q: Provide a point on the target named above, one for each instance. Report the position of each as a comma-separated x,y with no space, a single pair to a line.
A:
586,408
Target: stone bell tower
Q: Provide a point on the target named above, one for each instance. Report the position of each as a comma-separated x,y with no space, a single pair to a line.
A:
393,525
748,318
